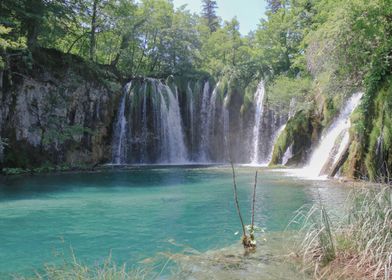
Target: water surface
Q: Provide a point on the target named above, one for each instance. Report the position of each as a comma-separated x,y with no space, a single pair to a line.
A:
136,213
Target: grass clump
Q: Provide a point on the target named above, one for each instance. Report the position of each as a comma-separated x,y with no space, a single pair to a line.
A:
370,229
358,246
317,247
74,269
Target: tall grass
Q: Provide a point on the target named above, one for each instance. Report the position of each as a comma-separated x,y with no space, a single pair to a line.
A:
75,270
360,243
317,246
370,227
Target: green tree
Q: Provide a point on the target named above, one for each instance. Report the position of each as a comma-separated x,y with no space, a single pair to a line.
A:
275,5
209,14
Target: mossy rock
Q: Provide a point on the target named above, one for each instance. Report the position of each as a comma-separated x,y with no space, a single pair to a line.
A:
299,133
370,155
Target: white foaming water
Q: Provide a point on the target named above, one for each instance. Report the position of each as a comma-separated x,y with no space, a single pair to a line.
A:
322,154
259,102
287,155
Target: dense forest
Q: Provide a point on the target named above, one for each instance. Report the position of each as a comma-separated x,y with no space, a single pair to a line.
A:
316,52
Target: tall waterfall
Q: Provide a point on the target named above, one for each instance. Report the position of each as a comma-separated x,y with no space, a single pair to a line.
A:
259,108
149,125
203,153
329,149
191,117
172,134
158,122
207,124
119,146
226,126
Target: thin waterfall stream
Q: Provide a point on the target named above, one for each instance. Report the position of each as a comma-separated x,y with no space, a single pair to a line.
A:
332,143
259,109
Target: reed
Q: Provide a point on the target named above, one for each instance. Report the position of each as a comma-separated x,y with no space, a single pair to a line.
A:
357,246
75,269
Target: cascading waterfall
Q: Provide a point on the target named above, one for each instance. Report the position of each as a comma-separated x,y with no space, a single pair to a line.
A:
191,116
155,124
226,126
156,129
208,110
119,140
203,155
274,139
327,153
144,127
172,127
259,108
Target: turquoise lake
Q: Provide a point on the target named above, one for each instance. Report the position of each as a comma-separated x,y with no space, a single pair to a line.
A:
136,213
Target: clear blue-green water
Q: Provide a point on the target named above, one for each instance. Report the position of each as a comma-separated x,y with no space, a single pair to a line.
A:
136,213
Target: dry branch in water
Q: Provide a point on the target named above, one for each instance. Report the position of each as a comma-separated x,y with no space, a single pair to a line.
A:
247,241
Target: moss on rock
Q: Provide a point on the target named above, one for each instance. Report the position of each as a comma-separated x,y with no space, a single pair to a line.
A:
300,132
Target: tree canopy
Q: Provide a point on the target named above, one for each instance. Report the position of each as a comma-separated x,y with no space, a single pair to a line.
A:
342,40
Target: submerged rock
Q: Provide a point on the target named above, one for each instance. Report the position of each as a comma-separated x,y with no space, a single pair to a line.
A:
269,261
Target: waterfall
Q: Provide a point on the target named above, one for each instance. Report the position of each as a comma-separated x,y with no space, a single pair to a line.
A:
207,124
191,118
157,122
226,126
259,103
144,127
203,153
172,127
119,154
274,139
287,155
327,153
153,133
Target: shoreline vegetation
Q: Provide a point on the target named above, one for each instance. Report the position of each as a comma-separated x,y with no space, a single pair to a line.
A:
356,246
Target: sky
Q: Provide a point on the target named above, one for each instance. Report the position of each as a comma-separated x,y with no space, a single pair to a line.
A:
248,12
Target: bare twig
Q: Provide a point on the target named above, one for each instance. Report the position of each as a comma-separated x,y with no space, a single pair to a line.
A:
236,199
253,205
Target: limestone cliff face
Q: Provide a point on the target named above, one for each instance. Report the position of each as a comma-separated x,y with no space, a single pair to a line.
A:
55,114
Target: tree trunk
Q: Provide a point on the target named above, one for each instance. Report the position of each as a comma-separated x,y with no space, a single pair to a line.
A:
125,40
32,20
93,30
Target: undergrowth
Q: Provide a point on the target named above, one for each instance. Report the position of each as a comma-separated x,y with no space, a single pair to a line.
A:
359,246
